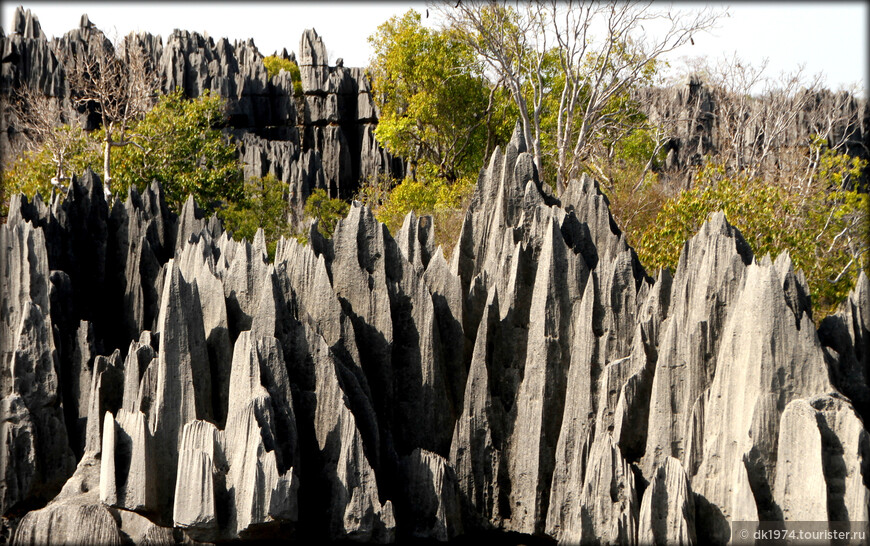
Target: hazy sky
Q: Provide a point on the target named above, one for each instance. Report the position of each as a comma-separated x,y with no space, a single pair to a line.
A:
828,37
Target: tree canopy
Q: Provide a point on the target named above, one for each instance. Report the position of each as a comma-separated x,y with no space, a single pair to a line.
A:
178,143
437,109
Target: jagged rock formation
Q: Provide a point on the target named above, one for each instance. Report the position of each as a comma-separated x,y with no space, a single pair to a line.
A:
322,139
701,120
162,382
364,388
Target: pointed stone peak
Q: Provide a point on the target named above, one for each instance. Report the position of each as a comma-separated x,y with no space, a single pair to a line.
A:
312,51
260,244
26,24
518,140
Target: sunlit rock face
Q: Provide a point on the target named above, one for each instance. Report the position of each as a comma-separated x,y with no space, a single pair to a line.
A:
163,382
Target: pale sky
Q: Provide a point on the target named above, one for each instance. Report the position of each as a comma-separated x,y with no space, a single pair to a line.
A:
828,37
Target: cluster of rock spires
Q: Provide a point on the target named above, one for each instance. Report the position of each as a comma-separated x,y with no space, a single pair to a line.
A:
323,139
162,382
693,114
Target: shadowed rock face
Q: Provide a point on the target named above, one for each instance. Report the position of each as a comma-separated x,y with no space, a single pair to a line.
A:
365,389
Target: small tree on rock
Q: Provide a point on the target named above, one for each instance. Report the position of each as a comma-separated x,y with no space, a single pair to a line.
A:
120,90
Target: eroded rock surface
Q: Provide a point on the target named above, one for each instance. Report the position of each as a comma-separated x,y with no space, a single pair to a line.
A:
161,381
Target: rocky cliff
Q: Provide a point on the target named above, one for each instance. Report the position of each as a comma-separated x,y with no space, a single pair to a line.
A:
162,382
701,119
321,139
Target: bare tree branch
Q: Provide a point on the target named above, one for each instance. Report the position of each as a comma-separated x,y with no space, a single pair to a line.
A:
121,89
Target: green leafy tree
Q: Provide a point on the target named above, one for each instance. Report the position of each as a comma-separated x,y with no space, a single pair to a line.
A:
121,89
33,171
599,50
446,203
436,106
180,145
264,205
325,210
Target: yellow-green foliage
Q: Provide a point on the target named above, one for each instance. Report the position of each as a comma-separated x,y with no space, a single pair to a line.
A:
446,203
824,229
434,100
264,205
275,64
326,211
180,144
33,170
634,203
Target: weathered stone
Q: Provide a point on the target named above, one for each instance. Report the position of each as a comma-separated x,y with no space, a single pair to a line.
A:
761,344
609,506
705,286
541,395
431,497
537,383
183,387
667,512
195,508
354,509
69,524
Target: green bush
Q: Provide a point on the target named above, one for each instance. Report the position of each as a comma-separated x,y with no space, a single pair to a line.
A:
33,170
432,196
179,143
275,64
436,107
264,205
327,212
823,228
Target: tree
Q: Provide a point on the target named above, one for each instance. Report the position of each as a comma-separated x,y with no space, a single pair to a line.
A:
517,43
42,121
436,106
264,204
824,231
121,90
325,211
275,64
35,170
179,143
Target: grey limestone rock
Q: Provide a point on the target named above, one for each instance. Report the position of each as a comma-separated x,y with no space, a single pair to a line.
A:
705,286
313,62
845,337
667,512
541,395
354,509
761,343
36,456
183,384
75,516
416,239
822,461
69,524
363,388
431,496
476,451
609,507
